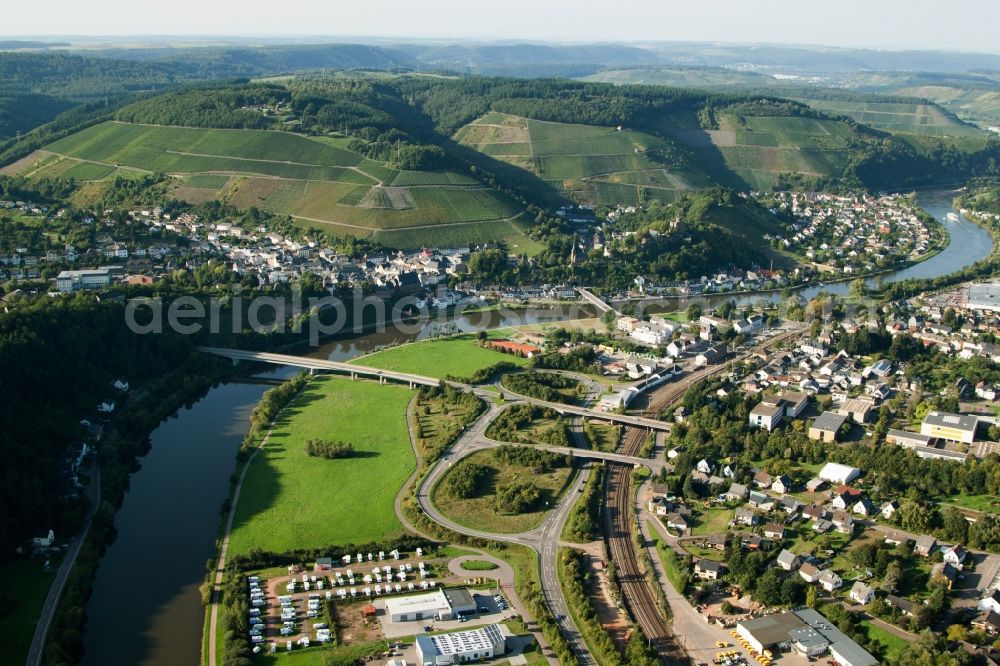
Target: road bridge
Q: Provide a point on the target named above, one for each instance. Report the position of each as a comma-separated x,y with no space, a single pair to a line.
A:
326,365
589,296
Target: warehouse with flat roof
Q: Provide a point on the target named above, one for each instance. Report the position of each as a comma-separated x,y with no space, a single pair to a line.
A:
461,646
984,296
806,632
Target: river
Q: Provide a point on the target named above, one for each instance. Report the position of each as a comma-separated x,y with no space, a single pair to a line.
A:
146,609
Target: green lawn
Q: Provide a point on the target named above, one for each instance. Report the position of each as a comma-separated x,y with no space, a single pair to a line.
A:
291,500
893,645
712,521
987,503
26,584
478,512
458,356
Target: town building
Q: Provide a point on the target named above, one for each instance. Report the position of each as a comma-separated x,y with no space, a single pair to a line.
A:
437,605
826,427
951,427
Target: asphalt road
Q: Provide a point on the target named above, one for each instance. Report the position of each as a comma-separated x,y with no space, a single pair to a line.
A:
544,539
56,590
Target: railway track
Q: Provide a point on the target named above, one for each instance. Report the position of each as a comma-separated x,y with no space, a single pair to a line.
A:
638,598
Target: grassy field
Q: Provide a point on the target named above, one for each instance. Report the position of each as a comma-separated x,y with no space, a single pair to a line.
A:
316,180
291,500
458,355
592,164
478,512
712,521
987,503
893,645
26,584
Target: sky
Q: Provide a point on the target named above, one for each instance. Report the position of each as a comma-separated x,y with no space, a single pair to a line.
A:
957,25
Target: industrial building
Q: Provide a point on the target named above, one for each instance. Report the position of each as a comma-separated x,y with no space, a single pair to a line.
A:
950,427
805,632
461,646
985,297
437,605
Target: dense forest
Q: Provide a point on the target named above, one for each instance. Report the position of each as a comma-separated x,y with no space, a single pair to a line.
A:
59,359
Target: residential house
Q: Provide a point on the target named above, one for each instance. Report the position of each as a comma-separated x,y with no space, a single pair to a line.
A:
782,485
843,522
745,516
956,555
658,505
761,501
736,492
946,572
708,569
829,580
774,531
896,538
862,593
822,526
787,560
889,509
762,479
675,521
809,573
924,546
815,512
904,606
864,507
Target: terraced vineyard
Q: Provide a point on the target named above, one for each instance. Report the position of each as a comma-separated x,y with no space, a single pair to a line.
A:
591,164
903,118
754,151
318,181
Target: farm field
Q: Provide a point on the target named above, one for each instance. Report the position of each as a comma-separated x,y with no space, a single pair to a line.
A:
291,500
478,512
457,356
315,180
589,163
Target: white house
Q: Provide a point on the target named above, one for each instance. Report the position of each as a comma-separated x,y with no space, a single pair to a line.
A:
44,540
861,593
829,580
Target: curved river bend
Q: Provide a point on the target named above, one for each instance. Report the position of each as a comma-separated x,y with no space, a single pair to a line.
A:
146,609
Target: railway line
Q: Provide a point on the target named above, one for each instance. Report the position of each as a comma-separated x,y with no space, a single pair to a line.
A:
636,594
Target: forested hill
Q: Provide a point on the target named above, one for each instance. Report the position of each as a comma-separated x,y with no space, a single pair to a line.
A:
676,139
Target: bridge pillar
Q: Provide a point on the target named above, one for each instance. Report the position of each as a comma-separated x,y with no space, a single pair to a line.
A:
235,361
354,376
411,386
381,379
312,371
